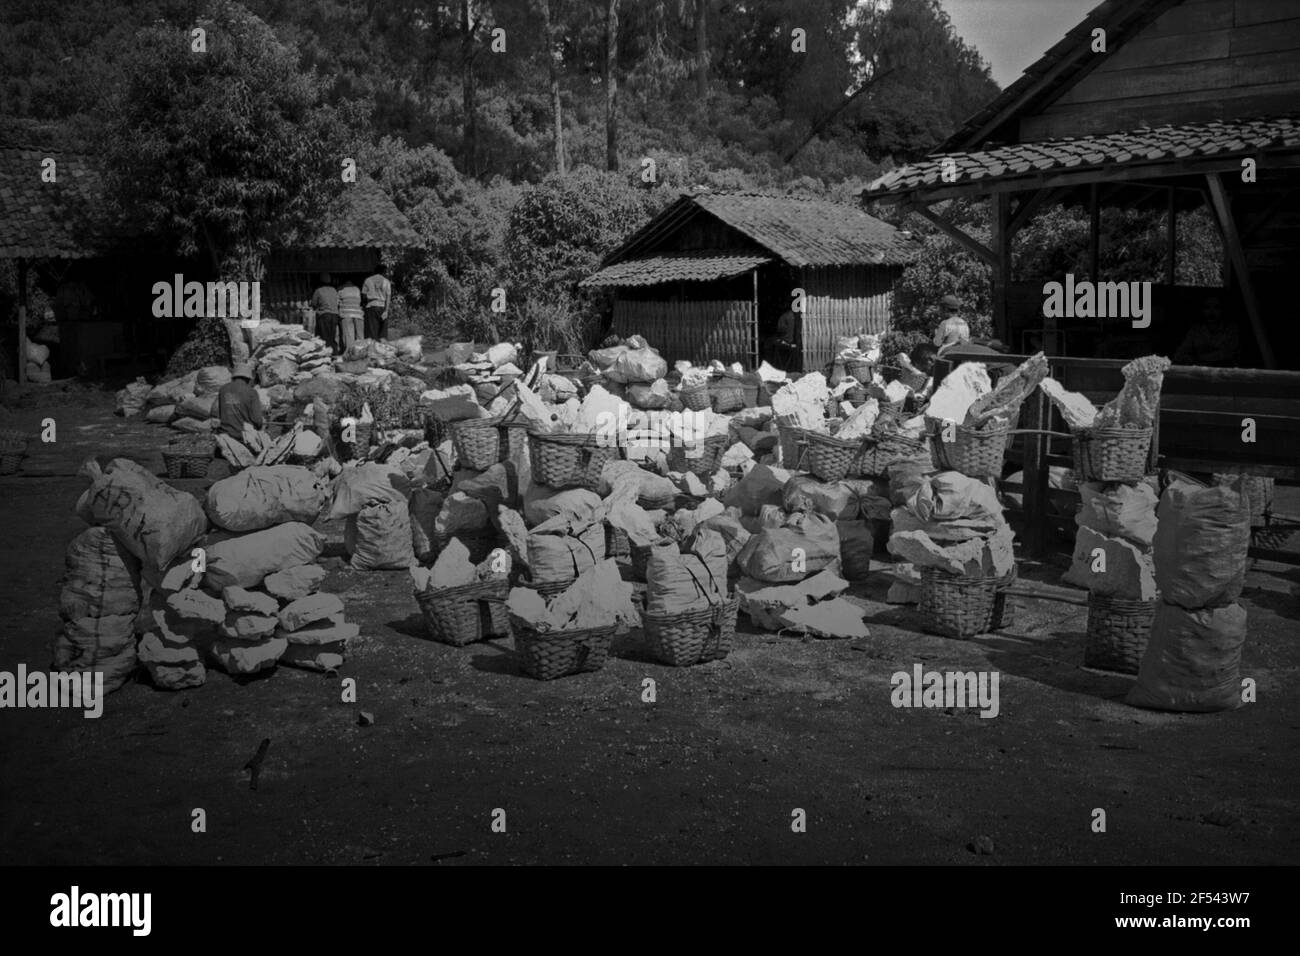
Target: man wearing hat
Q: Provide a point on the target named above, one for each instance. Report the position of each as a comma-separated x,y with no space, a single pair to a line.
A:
237,402
952,330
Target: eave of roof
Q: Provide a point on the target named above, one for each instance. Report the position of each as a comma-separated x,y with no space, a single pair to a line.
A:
1129,154
680,267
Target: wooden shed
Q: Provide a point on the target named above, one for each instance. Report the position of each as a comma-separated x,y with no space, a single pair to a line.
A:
1191,103
709,276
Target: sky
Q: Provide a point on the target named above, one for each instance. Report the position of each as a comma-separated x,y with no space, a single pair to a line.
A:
1012,34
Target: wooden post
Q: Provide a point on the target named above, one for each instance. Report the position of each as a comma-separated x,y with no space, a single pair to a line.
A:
22,321
1237,256
1001,241
1094,232
1035,472
1171,239
754,320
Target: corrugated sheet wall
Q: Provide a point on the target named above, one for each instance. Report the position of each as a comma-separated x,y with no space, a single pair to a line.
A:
840,301
698,331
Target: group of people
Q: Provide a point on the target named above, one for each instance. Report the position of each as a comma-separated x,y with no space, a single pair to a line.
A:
347,313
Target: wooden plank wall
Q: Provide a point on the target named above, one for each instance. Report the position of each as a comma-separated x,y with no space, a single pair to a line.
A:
1201,60
842,300
697,331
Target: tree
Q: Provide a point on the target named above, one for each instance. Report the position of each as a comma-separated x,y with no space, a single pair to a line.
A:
222,152
611,85
701,49
554,65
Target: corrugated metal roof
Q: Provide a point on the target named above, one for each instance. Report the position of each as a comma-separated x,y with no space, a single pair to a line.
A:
682,267
1131,147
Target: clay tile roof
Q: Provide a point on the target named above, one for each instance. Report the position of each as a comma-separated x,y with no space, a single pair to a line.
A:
1164,143
362,216
677,267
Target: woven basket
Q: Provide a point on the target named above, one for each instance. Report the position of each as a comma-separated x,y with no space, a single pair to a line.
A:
13,448
692,637
860,370
833,459
706,463
190,462
617,545
568,461
976,454
1112,454
728,395
695,398
955,605
877,456
480,543
477,442
790,445
551,654
463,615
1117,633
751,392
1004,607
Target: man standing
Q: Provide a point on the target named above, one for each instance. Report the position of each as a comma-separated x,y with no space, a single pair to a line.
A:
375,293
325,303
350,314
1211,341
237,402
952,330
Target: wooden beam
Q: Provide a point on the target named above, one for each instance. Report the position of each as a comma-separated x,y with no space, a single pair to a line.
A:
1228,226
1171,238
1035,474
1250,228
22,321
970,244
754,322
1029,208
1094,231
1001,275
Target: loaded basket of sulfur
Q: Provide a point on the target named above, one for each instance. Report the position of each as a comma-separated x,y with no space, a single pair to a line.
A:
462,603
690,618
571,633
1114,443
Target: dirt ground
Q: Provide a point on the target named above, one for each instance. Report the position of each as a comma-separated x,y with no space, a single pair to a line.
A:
587,772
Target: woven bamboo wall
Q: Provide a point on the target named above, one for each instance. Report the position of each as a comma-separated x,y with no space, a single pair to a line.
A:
698,331
840,301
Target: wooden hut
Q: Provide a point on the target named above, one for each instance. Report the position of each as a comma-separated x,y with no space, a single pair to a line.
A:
709,277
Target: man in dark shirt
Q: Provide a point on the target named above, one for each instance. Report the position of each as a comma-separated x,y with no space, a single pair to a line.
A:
325,302
237,402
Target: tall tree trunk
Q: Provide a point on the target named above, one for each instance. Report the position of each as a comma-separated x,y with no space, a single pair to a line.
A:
554,61
611,85
469,134
701,50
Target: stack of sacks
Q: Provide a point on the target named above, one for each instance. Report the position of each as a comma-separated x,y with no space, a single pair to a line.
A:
378,533
679,580
854,504
488,372
1119,520
189,403
288,354
98,604
1193,655
598,598
954,523
637,371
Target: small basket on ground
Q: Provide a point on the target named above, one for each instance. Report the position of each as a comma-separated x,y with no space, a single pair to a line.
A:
568,461
695,397
13,449
977,453
1112,454
692,637
547,655
190,459
705,463
860,369
727,395
955,605
1117,633
833,459
477,442
617,545
463,615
